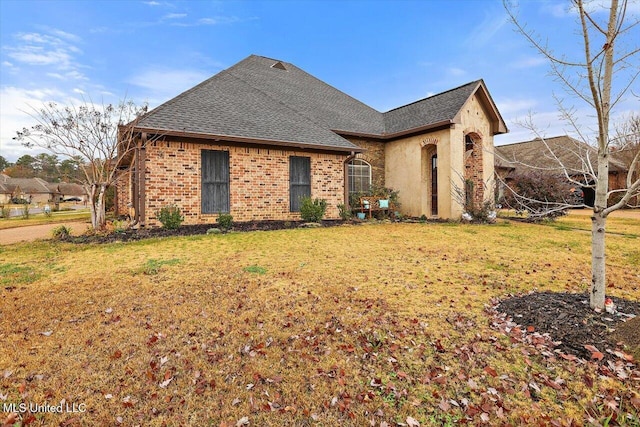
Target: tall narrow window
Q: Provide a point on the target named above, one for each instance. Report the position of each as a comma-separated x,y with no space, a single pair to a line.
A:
434,184
468,143
359,176
299,181
215,181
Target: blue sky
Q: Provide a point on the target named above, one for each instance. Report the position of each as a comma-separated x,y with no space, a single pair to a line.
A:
384,53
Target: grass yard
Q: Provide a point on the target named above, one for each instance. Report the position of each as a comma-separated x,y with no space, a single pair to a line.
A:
41,218
348,325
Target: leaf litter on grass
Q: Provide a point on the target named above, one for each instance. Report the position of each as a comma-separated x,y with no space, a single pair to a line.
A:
345,327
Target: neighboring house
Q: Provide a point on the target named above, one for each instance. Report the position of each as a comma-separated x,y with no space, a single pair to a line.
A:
556,155
34,190
254,138
7,190
71,192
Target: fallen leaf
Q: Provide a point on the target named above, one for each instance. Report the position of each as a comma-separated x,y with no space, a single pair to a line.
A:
235,401
591,348
244,421
489,370
444,405
46,333
165,383
412,422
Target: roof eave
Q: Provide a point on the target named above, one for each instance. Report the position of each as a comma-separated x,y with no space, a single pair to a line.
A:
395,135
257,141
498,125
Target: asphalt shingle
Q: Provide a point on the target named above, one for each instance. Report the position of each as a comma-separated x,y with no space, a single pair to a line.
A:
269,100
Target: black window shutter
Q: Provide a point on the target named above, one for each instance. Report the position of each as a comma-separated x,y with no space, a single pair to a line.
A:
299,181
215,181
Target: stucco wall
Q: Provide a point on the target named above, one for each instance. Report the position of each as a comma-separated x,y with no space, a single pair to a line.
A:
407,170
258,183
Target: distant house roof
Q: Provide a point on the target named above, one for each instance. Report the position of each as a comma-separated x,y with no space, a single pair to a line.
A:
264,100
6,188
551,154
32,185
70,189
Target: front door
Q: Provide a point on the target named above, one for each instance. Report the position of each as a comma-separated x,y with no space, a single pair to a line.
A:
434,185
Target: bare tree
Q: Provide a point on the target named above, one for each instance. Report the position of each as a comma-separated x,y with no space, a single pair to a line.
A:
102,136
605,54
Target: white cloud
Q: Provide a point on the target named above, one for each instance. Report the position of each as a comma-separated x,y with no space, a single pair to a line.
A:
174,16
528,62
15,107
160,85
454,71
48,51
508,107
487,28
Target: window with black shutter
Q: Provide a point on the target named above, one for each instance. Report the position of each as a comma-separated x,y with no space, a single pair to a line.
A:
299,181
215,181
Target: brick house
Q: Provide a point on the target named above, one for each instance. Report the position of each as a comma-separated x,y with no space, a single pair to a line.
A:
253,138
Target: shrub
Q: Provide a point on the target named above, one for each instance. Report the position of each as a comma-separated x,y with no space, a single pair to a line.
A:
345,214
225,221
485,214
538,194
25,212
170,217
120,226
5,211
61,232
312,210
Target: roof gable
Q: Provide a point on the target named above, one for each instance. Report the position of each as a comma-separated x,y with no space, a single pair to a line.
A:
266,100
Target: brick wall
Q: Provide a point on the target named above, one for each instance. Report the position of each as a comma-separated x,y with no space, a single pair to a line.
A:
474,172
374,155
122,193
259,181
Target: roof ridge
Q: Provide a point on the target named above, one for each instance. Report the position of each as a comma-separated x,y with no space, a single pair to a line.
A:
434,95
288,107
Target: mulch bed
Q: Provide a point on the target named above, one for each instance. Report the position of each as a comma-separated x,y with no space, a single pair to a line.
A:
572,324
191,230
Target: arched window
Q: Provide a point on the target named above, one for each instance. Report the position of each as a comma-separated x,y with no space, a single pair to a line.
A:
359,176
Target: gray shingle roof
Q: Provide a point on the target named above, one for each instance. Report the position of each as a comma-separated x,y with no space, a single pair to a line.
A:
268,100
435,109
575,155
30,185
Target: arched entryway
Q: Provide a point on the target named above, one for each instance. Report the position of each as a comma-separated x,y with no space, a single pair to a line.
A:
473,170
430,180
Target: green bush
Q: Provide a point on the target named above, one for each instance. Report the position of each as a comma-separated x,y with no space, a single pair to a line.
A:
170,217
312,210
225,221
345,214
5,211
61,232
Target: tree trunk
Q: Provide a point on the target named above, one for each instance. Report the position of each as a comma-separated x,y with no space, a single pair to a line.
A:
101,219
598,224
91,194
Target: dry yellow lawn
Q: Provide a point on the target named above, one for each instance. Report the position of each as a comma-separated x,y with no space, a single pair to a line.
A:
337,326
